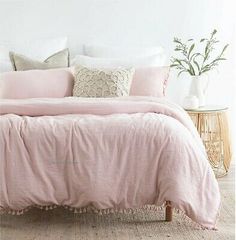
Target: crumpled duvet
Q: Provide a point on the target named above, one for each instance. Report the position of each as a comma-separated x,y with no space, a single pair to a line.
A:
114,153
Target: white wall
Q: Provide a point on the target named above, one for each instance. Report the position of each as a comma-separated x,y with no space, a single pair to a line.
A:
128,22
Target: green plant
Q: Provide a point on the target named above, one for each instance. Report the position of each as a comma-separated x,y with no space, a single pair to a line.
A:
197,63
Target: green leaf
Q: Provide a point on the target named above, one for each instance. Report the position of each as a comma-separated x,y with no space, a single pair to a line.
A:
215,61
190,72
206,49
178,49
174,65
203,39
206,70
219,59
194,56
192,69
180,61
224,49
181,72
189,40
185,63
191,49
176,40
207,52
214,32
198,67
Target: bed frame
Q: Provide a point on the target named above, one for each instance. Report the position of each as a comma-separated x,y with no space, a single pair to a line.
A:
168,214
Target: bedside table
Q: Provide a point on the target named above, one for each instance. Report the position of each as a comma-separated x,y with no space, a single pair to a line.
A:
212,125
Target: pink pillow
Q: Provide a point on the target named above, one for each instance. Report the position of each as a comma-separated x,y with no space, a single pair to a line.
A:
54,83
150,81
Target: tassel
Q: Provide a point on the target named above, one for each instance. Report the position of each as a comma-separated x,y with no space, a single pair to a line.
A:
181,213
99,212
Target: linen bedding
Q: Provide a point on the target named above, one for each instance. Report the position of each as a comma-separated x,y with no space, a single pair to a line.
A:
105,154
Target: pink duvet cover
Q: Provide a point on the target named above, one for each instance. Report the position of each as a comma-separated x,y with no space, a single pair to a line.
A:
120,153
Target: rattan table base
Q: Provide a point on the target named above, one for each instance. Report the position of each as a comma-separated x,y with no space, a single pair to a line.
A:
214,131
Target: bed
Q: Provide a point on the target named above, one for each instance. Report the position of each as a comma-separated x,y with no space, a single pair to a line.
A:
104,155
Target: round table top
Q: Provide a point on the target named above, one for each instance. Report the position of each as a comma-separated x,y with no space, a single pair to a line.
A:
208,108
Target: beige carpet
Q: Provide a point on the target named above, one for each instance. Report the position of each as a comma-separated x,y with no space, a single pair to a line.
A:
61,224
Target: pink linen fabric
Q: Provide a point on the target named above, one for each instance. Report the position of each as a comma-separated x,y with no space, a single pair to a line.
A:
107,153
54,83
151,81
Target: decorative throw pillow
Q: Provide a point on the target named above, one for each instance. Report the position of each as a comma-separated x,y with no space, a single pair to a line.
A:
102,83
150,81
38,49
57,60
53,83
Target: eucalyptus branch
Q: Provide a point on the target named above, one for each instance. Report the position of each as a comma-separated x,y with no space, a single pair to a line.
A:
197,63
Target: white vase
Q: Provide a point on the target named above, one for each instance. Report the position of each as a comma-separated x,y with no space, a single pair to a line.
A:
199,87
191,102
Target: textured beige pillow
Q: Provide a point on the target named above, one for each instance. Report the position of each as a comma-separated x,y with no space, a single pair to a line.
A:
57,60
102,83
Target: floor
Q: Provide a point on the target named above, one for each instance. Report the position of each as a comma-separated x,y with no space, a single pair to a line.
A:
61,224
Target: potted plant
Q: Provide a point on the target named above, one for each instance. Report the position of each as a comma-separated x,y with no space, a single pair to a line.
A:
197,63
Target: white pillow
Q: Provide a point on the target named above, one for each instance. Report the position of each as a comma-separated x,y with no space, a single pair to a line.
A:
92,62
37,49
5,66
103,51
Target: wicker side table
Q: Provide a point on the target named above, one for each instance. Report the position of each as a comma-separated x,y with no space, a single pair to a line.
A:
212,125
